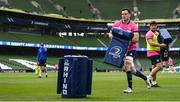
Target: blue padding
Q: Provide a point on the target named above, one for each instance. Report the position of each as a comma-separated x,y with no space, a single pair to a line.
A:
89,76
60,75
165,36
122,34
77,76
116,52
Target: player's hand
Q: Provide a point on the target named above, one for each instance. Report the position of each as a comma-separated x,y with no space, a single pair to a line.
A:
110,35
163,45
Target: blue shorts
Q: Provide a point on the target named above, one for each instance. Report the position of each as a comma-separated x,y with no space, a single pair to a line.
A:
131,53
42,63
155,59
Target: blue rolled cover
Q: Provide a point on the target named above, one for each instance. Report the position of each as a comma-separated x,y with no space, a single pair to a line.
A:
165,36
116,52
118,47
122,34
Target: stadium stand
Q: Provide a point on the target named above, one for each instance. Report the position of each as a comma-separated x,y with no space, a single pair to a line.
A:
97,62
176,12
4,3
156,6
142,42
5,60
47,7
177,43
107,9
111,9
32,6
27,6
48,39
77,9
96,14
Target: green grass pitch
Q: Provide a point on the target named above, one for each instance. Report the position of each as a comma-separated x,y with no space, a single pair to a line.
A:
105,87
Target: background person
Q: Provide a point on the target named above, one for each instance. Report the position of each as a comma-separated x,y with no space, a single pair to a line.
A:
41,59
153,52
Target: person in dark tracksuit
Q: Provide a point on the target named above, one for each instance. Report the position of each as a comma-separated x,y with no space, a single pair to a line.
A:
41,60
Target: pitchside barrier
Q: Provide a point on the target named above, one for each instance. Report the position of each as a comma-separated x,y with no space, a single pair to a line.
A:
74,76
118,47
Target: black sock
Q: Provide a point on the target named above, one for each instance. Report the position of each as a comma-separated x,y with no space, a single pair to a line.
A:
139,74
129,78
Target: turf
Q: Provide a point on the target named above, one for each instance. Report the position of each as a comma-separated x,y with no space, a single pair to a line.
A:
106,87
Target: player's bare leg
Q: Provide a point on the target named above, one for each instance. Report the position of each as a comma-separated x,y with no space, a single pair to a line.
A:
153,74
130,68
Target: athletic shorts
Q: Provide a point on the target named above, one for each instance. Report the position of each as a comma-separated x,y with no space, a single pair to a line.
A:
42,63
130,57
170,65
132,54
155,59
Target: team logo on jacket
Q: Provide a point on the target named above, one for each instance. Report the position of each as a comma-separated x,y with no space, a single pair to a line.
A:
115,51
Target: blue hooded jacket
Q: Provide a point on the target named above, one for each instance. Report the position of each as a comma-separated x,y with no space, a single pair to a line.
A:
42,54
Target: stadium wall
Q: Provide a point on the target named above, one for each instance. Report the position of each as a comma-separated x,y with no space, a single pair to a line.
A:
31,51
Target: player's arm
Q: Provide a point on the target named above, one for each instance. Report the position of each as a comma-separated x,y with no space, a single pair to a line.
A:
135,37
152,43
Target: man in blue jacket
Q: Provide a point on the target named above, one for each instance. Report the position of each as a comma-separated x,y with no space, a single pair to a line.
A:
41,59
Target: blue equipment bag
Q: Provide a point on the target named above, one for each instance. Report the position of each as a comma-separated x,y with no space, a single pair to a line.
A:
118,47
166,38
122,34
76,78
